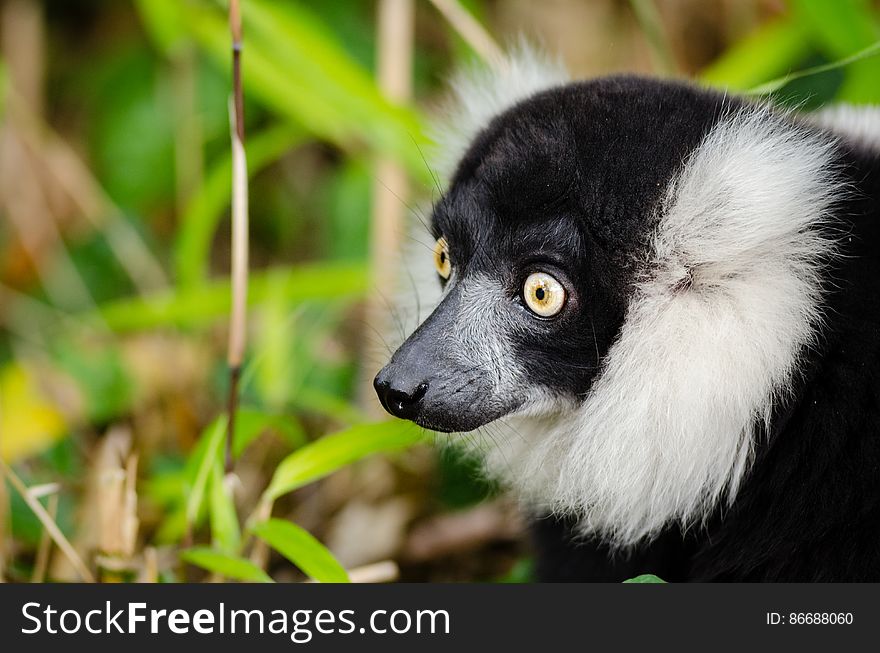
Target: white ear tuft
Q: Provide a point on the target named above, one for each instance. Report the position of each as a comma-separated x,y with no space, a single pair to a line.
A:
480,93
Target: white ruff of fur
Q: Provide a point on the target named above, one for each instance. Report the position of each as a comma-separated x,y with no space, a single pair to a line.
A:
860,124
479,94
728,299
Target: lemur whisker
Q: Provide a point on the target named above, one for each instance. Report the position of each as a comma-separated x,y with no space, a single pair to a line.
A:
392,311
428,167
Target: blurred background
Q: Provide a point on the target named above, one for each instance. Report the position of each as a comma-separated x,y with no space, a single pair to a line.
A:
114,260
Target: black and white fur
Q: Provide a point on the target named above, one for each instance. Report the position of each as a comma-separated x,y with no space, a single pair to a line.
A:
706,406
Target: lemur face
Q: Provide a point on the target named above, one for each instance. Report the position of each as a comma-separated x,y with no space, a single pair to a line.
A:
512,319
536,242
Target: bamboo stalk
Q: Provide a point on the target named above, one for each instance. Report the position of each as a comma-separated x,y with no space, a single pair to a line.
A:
238,317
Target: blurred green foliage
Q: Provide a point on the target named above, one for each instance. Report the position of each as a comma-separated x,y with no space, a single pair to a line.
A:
144,88
811,33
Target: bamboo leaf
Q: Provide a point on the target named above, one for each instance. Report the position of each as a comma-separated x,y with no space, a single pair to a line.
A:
202,462
333,452
295,68
302,549
224,564
250,423
204,471
300,40
316,401
225,532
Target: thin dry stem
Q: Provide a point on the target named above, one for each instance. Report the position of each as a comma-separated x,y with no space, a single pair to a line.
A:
76,180
652,27
45,547
260,550
385,571
150,569
473,33
238,317
23,35
44,490
31,218
48,523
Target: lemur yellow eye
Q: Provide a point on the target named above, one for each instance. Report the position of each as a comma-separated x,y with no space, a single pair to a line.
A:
441,258
543,294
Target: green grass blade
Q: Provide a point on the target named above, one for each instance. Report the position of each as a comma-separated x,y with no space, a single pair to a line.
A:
772,50
202,463
645,578
293,66
203,304
162,20
206,208
318,402
204,470
333,452
840,28
224,564
301,42
251,422
777,84
302,549
225,531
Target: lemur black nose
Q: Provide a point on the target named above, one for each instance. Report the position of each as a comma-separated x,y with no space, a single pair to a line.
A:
399,401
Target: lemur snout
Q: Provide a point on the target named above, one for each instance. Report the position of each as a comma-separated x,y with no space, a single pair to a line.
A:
429,381
400,399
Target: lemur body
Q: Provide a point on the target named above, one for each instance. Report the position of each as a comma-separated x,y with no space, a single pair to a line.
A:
661,319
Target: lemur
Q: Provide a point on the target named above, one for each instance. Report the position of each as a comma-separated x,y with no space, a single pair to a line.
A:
660,317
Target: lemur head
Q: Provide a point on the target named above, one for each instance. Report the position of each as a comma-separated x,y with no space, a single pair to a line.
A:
630,269
536,242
